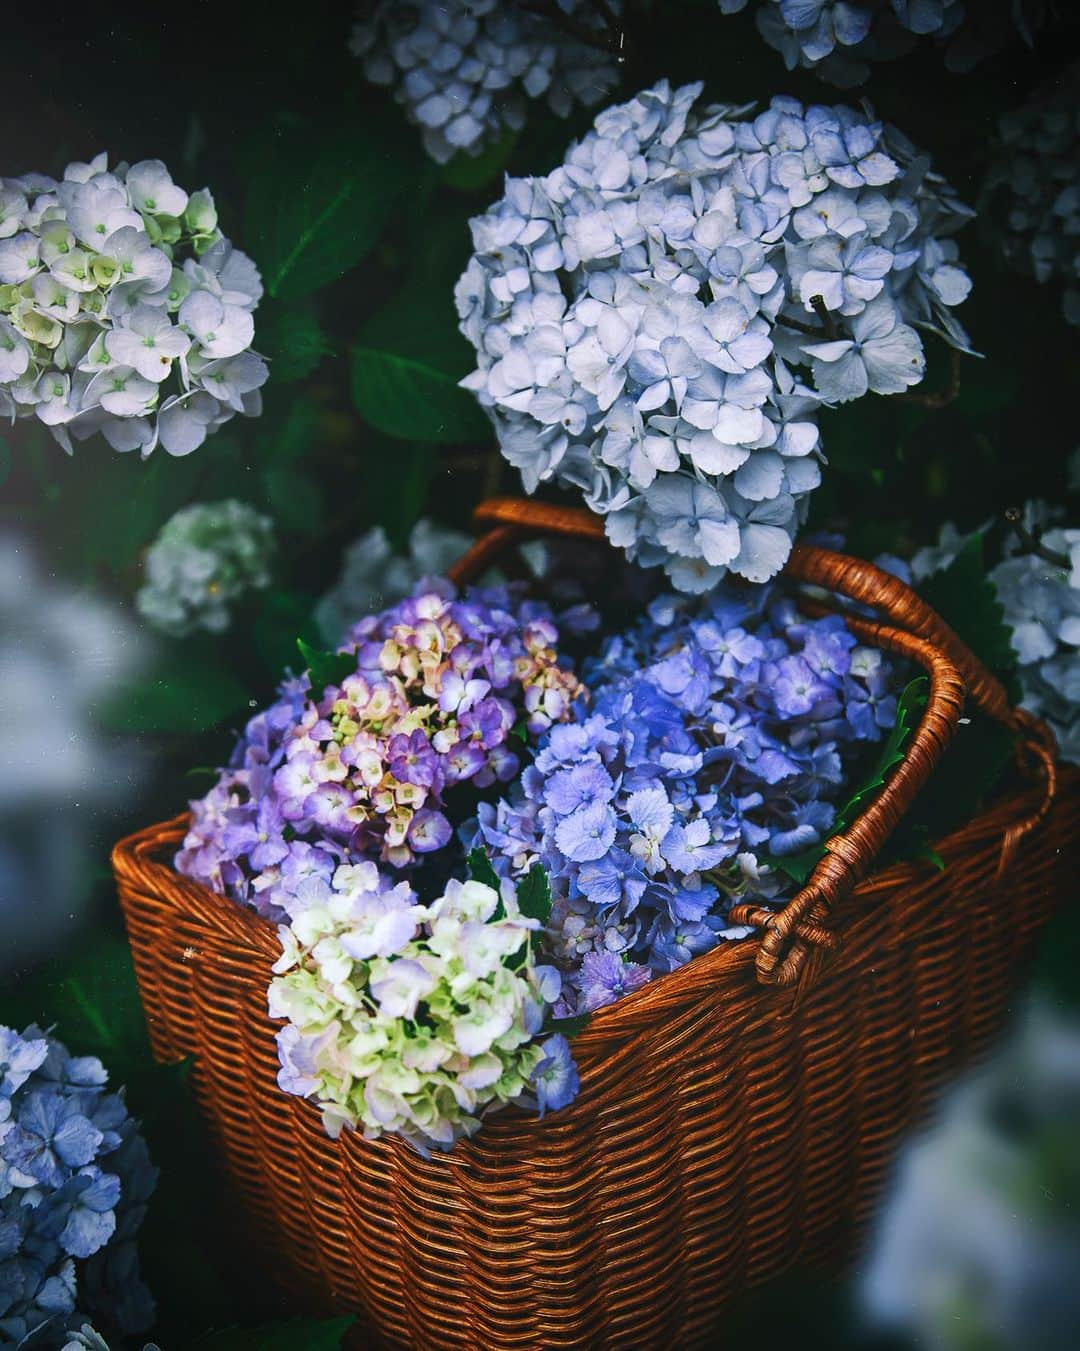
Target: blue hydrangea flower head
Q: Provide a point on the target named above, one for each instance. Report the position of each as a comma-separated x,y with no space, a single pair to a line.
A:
717,739
659,321
466,69
74,1181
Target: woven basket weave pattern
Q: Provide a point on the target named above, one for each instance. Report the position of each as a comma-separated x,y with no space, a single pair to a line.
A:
726,1127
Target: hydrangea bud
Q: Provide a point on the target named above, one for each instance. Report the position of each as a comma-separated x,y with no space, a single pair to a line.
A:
205,558
123,309
465,69
659,320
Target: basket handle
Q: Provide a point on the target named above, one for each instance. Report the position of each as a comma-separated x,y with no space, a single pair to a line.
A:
914,629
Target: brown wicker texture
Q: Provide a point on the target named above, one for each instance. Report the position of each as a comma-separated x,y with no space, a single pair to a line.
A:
727,1126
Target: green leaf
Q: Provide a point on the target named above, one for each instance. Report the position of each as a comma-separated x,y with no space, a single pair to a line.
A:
800,866
294,1335
295,498
469,172
292,340
192,693
325,668
480,869
534,894
413,401
318,203
5,460
569,1027
965,598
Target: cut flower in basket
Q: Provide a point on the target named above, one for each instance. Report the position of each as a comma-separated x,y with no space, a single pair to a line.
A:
707,770
413,1019
660,319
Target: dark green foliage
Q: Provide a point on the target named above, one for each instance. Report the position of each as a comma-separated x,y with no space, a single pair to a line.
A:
290,1336
965,598
413,401
534,894
325,668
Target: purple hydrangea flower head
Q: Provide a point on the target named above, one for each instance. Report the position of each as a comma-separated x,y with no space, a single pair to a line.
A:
360,769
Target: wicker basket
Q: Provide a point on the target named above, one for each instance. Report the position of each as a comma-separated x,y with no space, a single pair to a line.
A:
736,1116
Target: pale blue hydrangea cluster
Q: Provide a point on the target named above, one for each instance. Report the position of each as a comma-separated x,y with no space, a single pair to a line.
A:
1031,197
838,39
1041,601
465,69
717,737
205,558
444,694
123,309
978,1244
75,1178
659,321
411,1019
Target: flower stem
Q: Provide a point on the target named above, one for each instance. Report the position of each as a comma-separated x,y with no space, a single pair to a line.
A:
1032,544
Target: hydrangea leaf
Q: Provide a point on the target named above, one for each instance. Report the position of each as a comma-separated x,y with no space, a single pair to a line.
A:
321,1335
570,1027
311,219
413,401
294,497
800,866
293,341
191,693
480,869
325,668
469,172
965,598
534,894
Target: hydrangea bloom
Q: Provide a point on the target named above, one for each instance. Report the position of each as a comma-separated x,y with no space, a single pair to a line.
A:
74,1181
412,1019
373,576
63,651
838,38
205,557
659,320
1031,196
978,1244
442,689
716,736
123,309
1042,611
463,69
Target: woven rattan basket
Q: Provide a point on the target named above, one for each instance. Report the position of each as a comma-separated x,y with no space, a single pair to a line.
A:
736,1116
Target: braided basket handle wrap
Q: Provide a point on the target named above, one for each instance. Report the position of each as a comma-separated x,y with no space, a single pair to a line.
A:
914,630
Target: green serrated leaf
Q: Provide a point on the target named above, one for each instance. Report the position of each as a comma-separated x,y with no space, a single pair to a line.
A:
534,894
298,1334
480,869
965,598
293,341
325,668
413,401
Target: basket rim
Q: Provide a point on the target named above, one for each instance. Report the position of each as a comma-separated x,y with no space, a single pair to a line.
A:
148,850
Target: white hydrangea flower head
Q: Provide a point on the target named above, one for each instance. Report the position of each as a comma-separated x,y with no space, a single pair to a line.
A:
205,558
659,321
1031,197
123,309
408,1019
465,69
